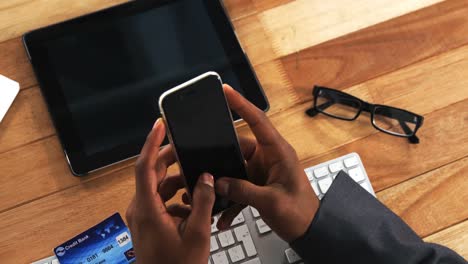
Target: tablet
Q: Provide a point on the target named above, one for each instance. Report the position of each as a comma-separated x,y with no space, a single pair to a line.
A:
100,74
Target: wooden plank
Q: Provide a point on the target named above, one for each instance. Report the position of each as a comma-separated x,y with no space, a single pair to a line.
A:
259,32
15,64
44,159
414,86
379,49
315,136
37,170
311,22
433,201
18,16
389,160
277,87
26,121
254,40
454,237
240,8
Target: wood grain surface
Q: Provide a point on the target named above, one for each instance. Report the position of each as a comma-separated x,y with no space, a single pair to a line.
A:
454,237
410,54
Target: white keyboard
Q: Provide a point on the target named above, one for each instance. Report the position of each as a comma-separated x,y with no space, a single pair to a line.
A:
251,241
321,176
48,260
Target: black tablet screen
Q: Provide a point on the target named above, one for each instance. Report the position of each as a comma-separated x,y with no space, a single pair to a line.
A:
113,72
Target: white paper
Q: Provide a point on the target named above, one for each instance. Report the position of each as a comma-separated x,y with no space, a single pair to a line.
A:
8,91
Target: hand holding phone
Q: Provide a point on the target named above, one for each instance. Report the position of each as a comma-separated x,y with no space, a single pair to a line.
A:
173,233
200,128
279,188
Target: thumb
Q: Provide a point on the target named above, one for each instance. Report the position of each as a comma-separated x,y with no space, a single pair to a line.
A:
199,221
242,192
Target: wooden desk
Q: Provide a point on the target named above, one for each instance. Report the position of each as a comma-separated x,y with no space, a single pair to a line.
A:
411,54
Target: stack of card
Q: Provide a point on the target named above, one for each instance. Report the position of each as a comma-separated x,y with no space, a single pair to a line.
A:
8,91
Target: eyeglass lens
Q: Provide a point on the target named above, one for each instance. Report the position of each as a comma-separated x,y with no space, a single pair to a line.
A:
394,121
338,105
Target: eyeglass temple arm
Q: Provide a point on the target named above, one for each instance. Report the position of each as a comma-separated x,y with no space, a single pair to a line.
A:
313,112
412,139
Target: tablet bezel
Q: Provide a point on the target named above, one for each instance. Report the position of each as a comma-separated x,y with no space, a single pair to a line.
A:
80,163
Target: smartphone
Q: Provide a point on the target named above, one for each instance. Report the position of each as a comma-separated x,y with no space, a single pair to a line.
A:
201,129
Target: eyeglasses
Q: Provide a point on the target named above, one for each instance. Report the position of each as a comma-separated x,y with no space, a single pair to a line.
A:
391,120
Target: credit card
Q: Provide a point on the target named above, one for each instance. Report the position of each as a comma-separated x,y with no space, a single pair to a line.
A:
106,242
8,91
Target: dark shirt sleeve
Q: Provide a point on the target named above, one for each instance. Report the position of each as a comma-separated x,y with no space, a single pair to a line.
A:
351,226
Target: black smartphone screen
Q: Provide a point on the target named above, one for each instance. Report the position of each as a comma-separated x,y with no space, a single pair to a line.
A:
203,133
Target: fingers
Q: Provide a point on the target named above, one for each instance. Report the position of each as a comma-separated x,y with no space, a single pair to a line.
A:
185,198
226,218
264,131
179,210
248,147
242,192
166,158
169,187
130,212
199,221
146,180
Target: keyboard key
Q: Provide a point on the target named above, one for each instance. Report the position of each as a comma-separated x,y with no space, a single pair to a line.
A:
253,261
242,234
255,212
321,172
213,244
315,187
47,260
325,184
262,226
214,229
238,220
292,256
350,162
220,258
366,187
335,167
310,174
356,174
236,253
226,239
